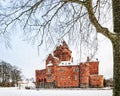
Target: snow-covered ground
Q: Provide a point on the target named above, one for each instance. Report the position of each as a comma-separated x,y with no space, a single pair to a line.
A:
54,92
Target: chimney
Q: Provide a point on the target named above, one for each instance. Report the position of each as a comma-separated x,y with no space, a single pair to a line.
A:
88,59
97,59
72,59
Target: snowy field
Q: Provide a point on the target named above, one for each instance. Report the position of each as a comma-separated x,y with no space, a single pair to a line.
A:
54,92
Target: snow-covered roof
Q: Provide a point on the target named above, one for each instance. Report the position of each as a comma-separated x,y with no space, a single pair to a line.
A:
66,63
49,64
56,58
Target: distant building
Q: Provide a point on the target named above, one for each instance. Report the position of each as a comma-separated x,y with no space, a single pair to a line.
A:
108,82
25,85
61,72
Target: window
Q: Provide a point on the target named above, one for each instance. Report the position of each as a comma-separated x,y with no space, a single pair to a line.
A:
76,69
49,76
69,63
75,77
62,70
49,69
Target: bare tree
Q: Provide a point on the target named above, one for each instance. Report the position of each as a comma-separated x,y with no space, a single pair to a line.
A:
5,70
77,20
9,75
15,75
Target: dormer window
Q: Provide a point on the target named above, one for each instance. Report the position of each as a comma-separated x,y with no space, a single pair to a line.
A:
50,62
69,63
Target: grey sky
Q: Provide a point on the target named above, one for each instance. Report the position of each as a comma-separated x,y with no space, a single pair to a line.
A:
25,56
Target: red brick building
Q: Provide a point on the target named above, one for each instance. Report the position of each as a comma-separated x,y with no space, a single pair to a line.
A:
61,72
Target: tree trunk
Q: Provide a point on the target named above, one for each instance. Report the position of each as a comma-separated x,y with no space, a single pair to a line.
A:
116,15
116,76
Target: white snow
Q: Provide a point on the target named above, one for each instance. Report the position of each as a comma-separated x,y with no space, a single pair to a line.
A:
54,92
49,64
65,63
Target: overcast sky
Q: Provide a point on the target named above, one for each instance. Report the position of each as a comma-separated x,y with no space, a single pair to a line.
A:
25,56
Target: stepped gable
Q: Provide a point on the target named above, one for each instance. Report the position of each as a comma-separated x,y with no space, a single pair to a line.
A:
52,60
62,52
58,52
49,59
65,45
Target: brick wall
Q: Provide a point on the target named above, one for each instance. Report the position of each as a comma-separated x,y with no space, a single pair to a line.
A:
60,72
94,67
96,81
67,76
84,74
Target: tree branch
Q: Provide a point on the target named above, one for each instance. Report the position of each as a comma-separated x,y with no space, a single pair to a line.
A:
95,22
75,1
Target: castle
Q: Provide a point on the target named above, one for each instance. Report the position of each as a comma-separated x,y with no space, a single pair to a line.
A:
61,72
